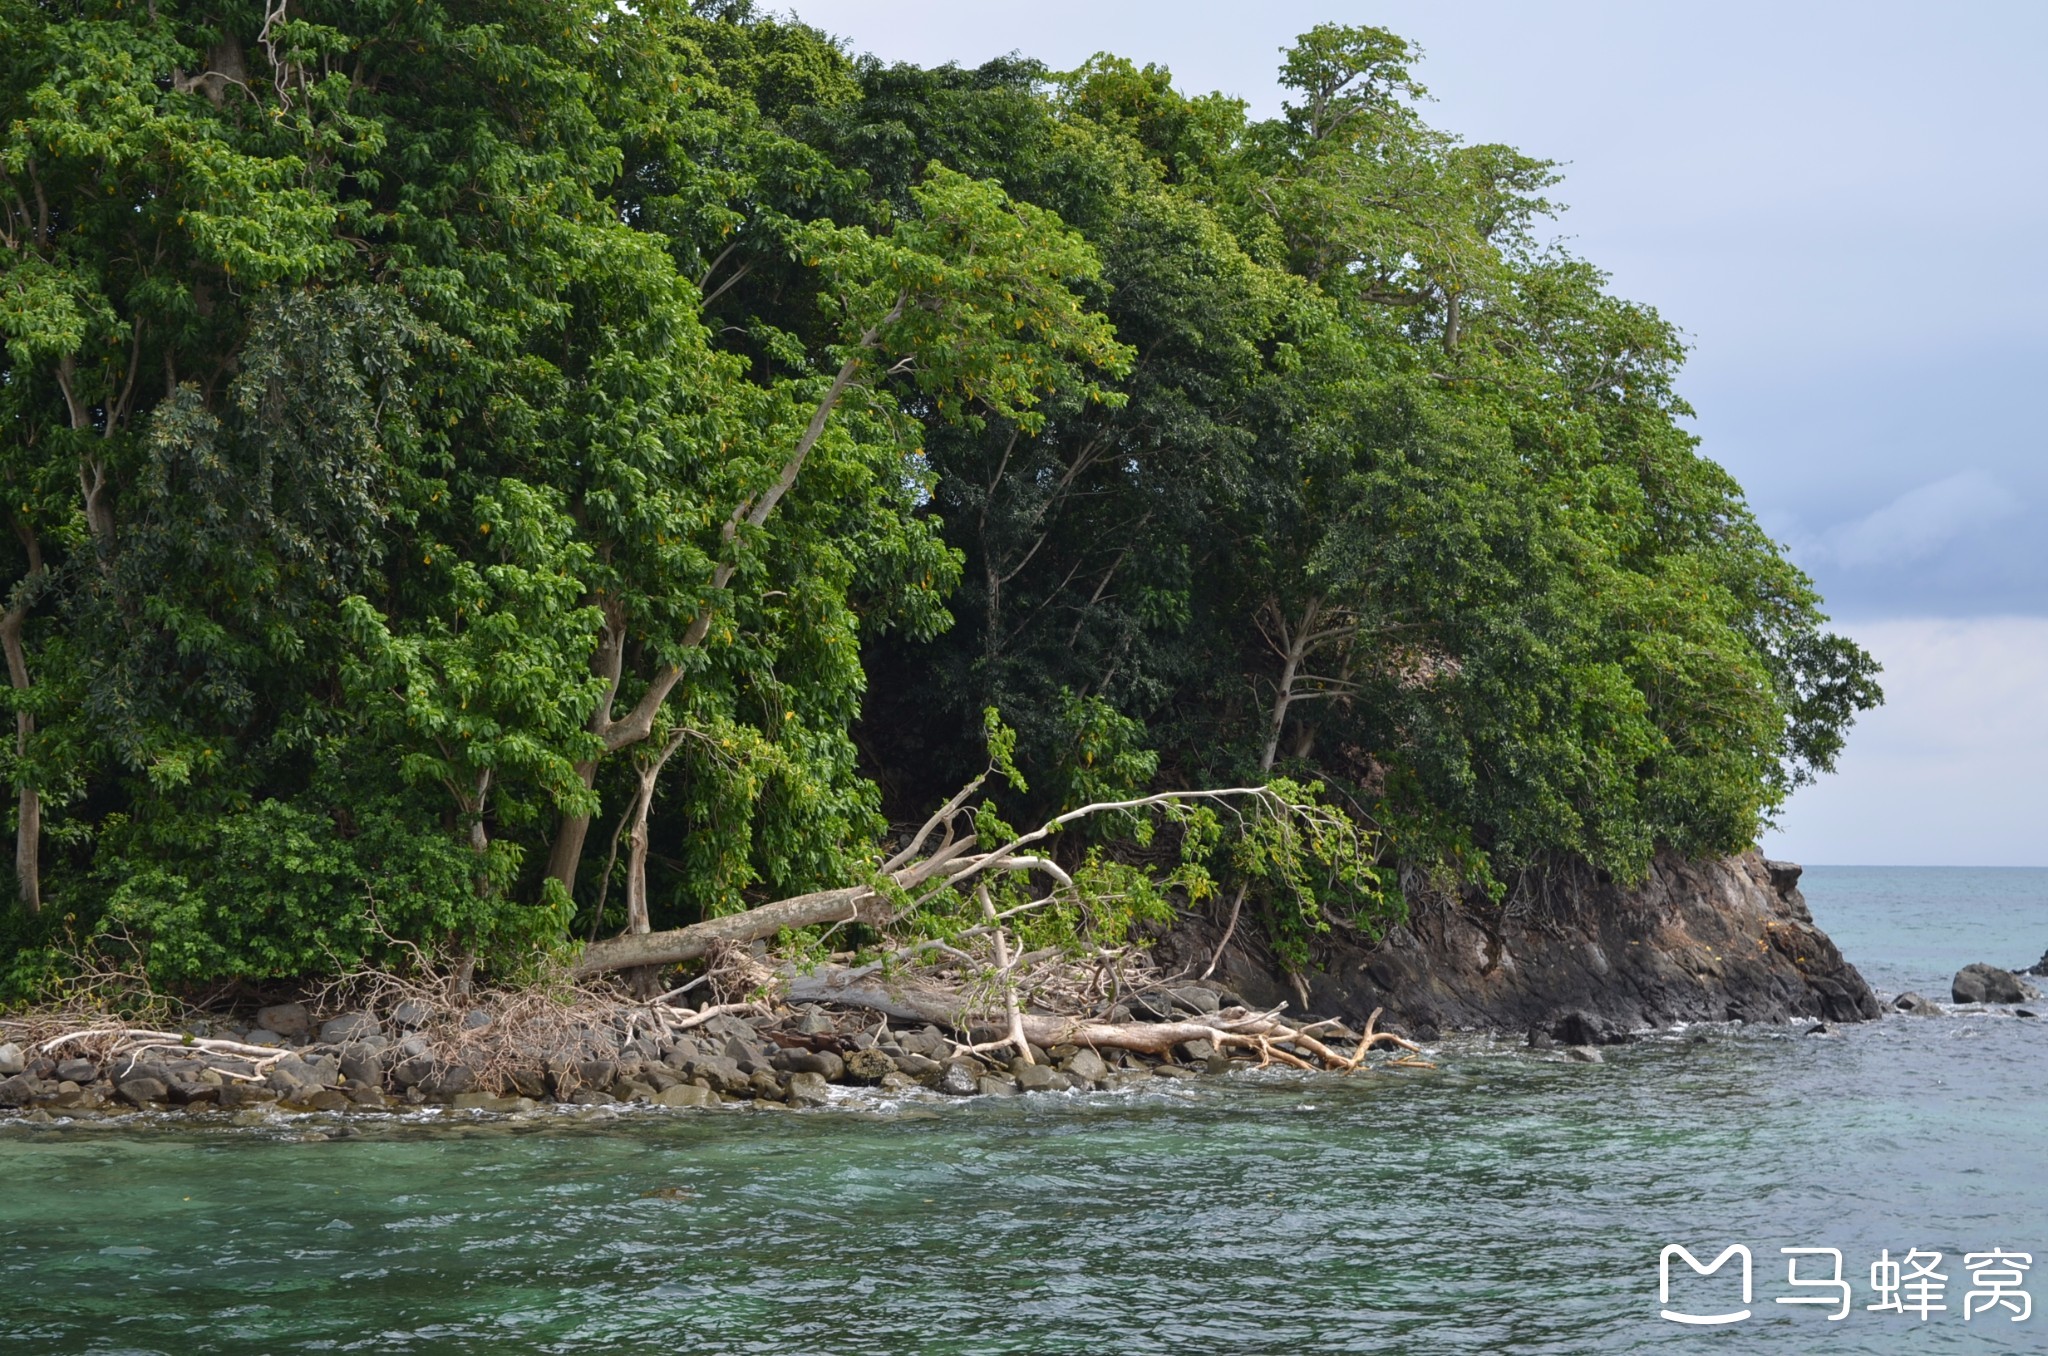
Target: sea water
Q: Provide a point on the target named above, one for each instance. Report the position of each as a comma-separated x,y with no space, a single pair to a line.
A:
1507,1201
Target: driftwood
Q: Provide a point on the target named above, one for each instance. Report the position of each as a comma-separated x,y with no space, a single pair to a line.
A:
1234,1028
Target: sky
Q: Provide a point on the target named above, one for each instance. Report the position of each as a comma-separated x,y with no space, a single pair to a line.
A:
1842,205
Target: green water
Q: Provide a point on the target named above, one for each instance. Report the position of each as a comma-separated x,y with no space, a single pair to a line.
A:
1506,1202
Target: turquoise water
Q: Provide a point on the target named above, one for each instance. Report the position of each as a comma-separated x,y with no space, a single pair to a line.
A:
1506,1202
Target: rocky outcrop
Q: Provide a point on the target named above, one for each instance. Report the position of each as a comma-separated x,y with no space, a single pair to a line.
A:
1583,962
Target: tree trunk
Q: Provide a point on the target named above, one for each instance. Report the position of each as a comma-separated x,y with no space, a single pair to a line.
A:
28,824
856,903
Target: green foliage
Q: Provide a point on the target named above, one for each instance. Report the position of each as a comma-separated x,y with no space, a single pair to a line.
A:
419,413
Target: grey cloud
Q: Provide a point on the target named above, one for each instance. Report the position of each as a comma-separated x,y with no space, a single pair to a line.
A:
1921,522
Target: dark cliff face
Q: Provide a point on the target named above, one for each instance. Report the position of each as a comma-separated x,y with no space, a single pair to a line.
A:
1589,961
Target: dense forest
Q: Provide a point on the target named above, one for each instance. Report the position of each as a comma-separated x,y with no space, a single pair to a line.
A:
484,476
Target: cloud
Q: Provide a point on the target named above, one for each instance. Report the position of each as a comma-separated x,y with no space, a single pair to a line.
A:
1920,522
1953,769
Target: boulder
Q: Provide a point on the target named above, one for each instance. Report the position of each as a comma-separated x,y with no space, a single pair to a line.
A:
76,1071
869,1066
1037,1077
808,1089
1916,1005
263,1036
812,1021
12,1061
1584,1054
289,1020
1581,1028
685,1094
144,1092
988,1085
1087,1066
822,1062
919,1067
350,1026
412,1013
1981,983
959,1077
1196,1000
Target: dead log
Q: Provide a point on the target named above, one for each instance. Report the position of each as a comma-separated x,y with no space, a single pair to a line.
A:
849,904
1263,1032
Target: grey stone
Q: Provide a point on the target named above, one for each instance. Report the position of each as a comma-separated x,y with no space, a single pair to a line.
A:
290,1020
144,1091
1217,1063
988,1085
920,1067
812,1021
808,1089
484,1101
685,1094
822,1062
723,1074
412,1047
1175,1071
350,1026
768,1085
1196,999
1196,1051
263,1036
1037,1077
869,1066
77,1071
196,1091
12,1061
1086,1065
679,1052
320,1099
591,1097
1584,1054
476,1019
927,1042
896,1082
452,1081
959,1077
412,1013
363,1064
408,1072
2024,1012
1981,983
1916,1005
368,1098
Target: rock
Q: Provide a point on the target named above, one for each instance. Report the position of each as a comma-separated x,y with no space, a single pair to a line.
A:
1196,1000
723,1074
476,1019
412,1013
768,1085
1581,1028
234,1095
290,1020
77,1071
1087,1066
1820,1029
1037,1077
1150,1007
1175,1071
1584,1054
195,1092
143,1092
808,1089
1981,983
1196,1051
988,1085
685,1094
2024,1012
368,1098
812,1021
959,1077
927,1042
11,1060
633,1090
896,1082
822,1062
919,1067
263,1036
452,1081
1914,1004
350,1026
591,1097
869,1066
363,1064
1217,1063
321,1099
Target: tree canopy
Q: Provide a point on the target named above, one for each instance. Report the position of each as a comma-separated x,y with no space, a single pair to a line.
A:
483,475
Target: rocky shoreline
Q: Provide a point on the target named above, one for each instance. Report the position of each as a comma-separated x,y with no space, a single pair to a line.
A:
1580,959
288,1058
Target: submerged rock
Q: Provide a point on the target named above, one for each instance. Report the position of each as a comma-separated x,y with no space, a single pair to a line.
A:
1916,1005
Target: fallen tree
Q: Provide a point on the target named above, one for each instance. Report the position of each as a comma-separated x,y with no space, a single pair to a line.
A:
949,907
